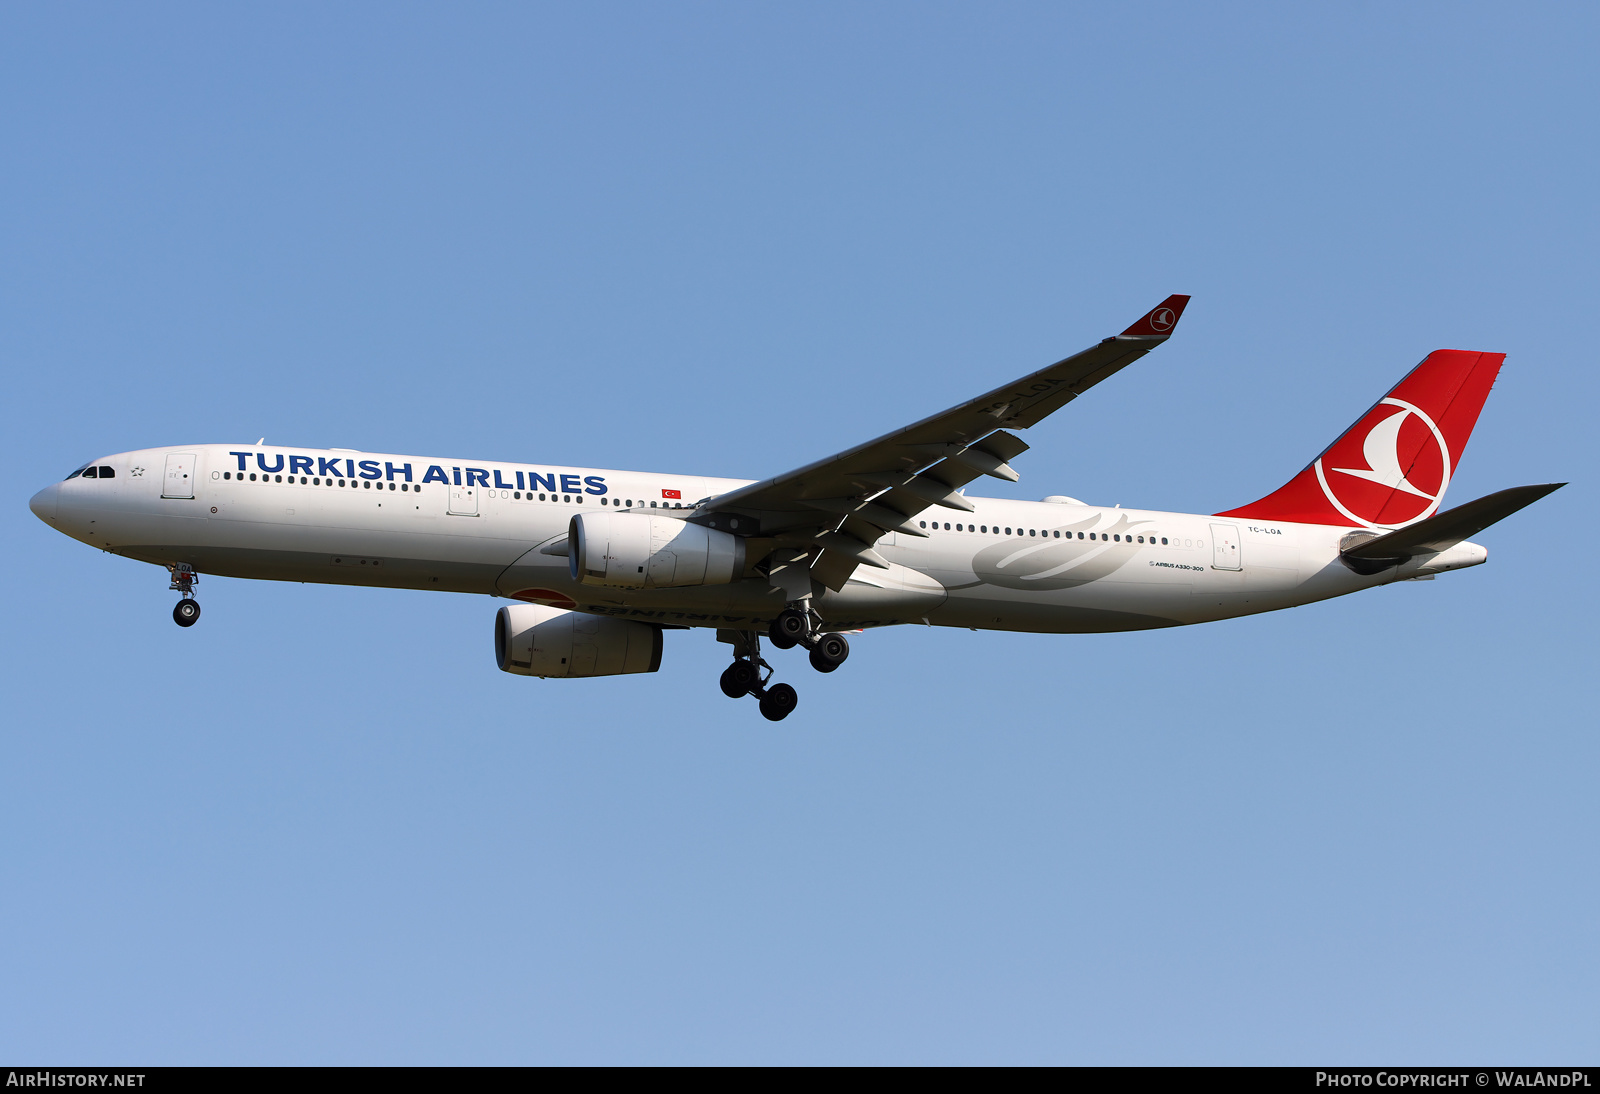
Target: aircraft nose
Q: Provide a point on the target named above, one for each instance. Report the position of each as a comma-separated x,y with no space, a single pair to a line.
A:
43,503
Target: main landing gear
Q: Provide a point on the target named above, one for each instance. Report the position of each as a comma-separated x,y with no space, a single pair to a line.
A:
751,675
798,625
186,613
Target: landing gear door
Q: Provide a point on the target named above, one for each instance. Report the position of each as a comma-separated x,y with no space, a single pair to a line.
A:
179,482
1225,547
464,501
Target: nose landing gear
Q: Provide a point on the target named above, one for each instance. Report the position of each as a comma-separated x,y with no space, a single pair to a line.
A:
186,613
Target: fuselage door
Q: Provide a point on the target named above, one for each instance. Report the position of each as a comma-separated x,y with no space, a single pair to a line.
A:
464,501
179,482
1225,547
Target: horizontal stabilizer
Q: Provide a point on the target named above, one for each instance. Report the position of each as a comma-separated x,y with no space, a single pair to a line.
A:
1444,530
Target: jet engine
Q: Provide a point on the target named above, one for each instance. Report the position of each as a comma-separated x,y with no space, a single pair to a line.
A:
533,640
633,551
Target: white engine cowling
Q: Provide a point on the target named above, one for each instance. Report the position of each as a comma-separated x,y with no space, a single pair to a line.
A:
634,551
533,640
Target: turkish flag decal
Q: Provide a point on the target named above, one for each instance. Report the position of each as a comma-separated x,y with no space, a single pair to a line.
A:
672,494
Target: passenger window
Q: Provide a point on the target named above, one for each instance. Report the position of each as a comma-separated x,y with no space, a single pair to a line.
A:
227,474
1058,535
391,486
1008,531
1163,541
1032,532
630,502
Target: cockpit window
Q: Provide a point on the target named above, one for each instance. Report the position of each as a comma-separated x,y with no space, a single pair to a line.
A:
76,473
90,472
108,472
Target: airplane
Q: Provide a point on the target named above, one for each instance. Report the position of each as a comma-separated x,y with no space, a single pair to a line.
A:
601,562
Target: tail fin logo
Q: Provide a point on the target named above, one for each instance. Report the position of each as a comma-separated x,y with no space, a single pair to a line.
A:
1162,319
1404,477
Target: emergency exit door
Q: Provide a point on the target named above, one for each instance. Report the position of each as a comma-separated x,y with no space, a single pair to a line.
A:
1225,547
179,482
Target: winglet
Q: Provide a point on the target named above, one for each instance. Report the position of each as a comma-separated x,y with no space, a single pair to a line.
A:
1160,320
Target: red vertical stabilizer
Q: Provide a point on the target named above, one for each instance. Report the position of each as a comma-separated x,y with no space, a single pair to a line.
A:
1393,466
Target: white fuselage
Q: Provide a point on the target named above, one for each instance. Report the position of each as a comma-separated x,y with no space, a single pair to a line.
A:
361,518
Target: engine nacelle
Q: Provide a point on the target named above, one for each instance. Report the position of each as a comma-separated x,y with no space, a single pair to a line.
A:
633,551
533,640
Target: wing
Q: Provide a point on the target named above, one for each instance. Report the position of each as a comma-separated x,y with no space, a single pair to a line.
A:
825,517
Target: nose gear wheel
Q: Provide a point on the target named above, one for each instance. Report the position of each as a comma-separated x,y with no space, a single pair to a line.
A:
186,613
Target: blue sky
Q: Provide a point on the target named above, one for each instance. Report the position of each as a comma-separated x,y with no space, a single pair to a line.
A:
728,239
